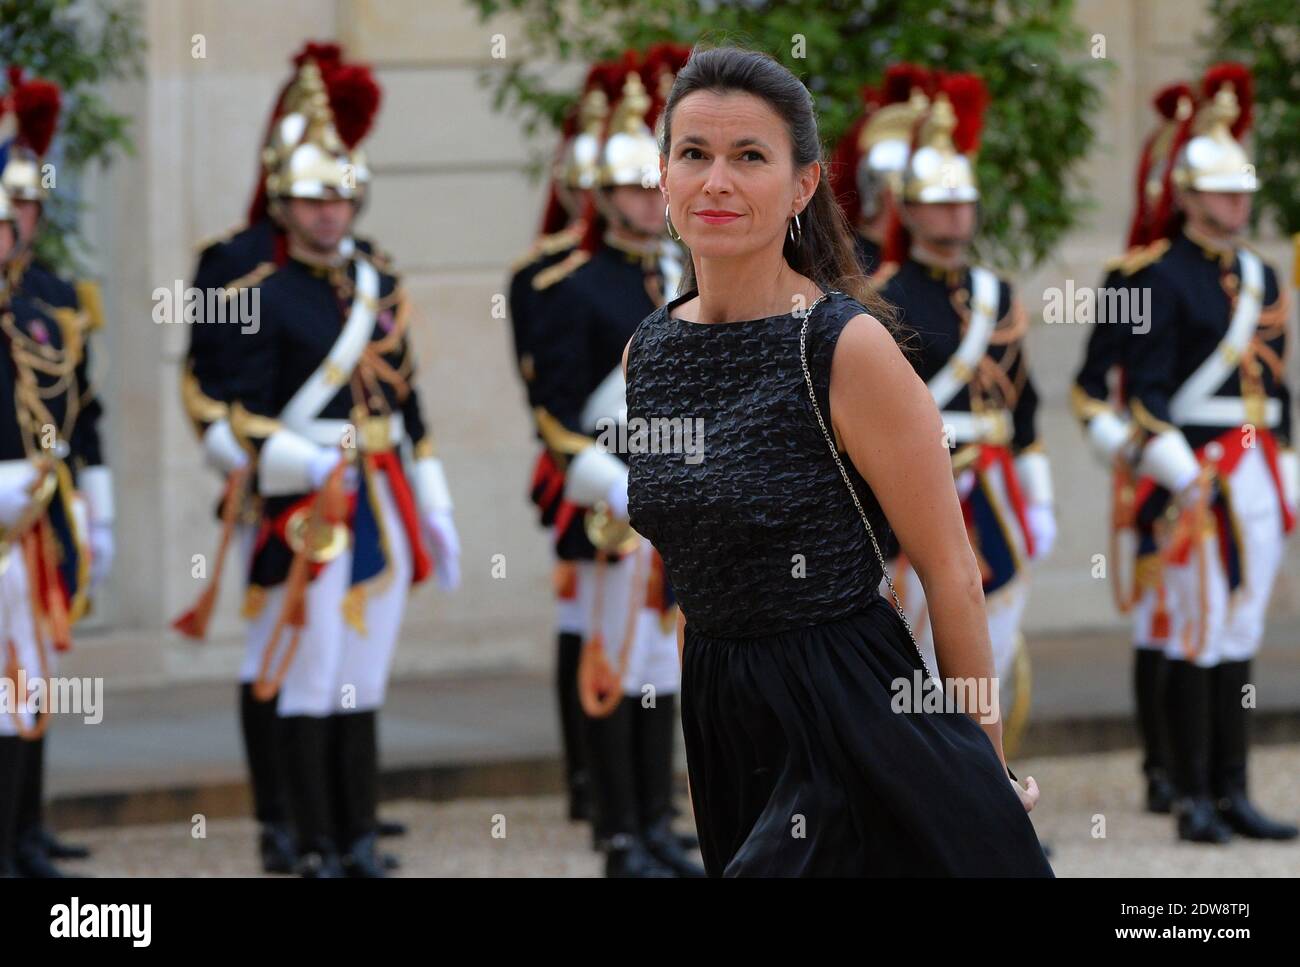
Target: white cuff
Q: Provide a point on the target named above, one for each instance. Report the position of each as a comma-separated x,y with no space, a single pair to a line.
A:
1035,475
431,491
284,465
223,452
1288,468
1107,434
96,485
590,476
1169,459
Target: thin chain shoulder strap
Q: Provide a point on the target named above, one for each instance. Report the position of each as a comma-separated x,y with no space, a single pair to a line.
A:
830,442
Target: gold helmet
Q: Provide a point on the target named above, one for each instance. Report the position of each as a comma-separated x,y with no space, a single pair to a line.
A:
1213,159
941,166
35,105
315,163
579,165
630,155
351,102
885,141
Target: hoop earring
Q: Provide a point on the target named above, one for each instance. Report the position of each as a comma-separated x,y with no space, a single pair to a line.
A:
795,230
672,232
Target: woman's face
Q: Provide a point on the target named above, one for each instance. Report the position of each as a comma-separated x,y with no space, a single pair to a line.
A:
729,177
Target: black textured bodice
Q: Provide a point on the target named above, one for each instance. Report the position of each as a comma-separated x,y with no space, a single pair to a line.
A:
758,532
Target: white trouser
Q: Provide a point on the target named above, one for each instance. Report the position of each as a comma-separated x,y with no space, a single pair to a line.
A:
337,668
1147,631
244,539
1233,621
18,627
652,654
1005,607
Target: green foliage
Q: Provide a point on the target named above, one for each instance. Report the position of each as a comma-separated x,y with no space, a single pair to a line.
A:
79,46
1035,60
1265,35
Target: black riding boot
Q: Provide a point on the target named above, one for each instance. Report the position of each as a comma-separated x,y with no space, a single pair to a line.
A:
258,722
11,782
32,818
355,775
1231,747
31,852
1187,693
612,755
1148,687
306,744
654,732
577,780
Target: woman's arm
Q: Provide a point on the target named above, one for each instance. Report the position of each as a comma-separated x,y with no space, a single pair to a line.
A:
888,424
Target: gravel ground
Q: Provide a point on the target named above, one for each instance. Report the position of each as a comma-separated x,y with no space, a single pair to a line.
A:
1081,794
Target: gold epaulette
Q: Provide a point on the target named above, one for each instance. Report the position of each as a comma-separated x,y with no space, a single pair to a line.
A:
558,241
552,274
91,300
253,278
211,240
545,245
1138,257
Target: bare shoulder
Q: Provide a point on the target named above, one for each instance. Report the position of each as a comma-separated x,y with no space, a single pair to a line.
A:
625,349
866,350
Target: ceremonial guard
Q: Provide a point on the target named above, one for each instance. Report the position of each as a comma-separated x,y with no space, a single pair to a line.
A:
325,397
45,554
229,271
867,166
968,344
563,226
1207,389
629,673
26,180
1098,401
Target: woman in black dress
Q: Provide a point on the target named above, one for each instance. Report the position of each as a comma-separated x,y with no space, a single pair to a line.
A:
802,753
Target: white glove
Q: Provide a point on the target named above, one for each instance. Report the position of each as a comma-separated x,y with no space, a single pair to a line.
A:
323,464
101,553
441,532
1042,526
15,493
617,498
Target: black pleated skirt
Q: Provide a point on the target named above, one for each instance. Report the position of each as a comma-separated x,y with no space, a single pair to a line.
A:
800,767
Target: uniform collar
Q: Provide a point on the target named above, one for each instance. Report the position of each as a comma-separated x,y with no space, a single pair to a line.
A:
952,276
317,270
646,254
1213,251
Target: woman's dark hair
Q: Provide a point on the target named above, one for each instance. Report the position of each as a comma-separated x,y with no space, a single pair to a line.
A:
825,252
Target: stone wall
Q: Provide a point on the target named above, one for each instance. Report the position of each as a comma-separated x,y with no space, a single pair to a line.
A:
452,201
